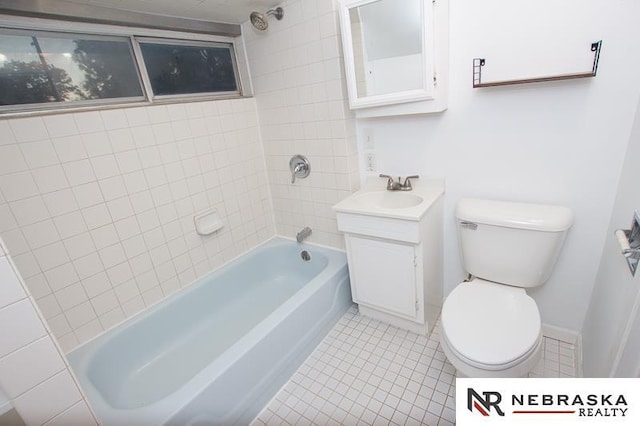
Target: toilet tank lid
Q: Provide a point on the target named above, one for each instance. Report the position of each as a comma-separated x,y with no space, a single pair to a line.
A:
539,217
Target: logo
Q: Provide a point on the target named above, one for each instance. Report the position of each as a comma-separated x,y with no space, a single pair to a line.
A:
484,405
556,402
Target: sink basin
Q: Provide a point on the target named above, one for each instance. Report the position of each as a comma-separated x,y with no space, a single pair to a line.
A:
388,200
374,200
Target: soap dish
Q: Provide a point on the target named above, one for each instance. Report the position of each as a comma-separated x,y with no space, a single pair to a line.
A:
207,222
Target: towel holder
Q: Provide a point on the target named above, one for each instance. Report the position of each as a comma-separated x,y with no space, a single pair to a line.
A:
629,241
478,63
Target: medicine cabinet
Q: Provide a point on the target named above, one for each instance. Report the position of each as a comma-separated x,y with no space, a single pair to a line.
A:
395,55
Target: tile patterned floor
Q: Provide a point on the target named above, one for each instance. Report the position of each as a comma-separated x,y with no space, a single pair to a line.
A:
366,372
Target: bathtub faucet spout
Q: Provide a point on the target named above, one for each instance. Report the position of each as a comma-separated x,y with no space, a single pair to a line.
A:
303,234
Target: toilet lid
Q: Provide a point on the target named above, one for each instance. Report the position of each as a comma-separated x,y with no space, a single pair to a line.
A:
489,323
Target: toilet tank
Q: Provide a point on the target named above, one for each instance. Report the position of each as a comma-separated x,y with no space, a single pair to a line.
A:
511,243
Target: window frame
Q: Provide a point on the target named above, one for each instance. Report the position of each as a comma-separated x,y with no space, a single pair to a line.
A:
181,42
85,29
80,103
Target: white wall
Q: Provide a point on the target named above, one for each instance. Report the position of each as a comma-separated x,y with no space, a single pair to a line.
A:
97,207
615,290
561,142
5,404
34,376
297,73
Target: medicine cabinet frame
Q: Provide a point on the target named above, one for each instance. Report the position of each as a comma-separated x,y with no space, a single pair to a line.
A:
431,96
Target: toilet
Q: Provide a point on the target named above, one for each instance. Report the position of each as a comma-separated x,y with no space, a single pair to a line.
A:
490,326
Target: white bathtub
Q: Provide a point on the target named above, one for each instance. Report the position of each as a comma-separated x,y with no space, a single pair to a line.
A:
217,351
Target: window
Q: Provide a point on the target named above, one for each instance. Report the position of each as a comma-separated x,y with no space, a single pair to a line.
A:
188,68
45,70
37,68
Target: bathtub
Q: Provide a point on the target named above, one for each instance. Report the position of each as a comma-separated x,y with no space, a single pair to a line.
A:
217,351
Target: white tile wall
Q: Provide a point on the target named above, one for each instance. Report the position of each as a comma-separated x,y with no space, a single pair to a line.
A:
10,290
33,373
299,87
97,208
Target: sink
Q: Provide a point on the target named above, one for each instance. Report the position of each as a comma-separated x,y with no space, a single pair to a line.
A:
375,200
393,241
388,200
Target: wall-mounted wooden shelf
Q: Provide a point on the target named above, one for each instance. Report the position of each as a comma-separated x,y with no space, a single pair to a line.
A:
478,63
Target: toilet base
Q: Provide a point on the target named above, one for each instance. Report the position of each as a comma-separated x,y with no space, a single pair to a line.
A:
521,369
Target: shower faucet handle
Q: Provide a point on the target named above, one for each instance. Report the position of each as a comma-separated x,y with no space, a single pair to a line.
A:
299,166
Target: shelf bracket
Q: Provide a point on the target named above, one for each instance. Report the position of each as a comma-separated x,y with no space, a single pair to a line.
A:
478,63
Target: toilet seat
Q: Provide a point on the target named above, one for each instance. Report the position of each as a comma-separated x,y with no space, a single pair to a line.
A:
490,326
491,367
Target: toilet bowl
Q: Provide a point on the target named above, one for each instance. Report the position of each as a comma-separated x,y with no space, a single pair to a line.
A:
490,330
490,326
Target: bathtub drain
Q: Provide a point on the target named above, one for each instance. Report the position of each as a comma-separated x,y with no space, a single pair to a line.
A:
305,255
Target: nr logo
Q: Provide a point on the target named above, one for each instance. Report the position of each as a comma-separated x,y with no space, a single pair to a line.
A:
485,403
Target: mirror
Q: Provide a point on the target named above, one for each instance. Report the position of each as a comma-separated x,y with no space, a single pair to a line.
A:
384,48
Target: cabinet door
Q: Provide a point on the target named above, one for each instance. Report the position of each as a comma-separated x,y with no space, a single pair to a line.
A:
383,275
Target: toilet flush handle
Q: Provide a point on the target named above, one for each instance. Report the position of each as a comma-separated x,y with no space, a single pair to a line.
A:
468,225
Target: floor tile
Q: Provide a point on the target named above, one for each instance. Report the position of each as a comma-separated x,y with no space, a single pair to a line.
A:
366,372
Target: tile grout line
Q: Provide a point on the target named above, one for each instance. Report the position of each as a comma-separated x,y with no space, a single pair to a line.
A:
365,371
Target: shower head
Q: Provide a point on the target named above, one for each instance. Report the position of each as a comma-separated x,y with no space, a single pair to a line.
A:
260,21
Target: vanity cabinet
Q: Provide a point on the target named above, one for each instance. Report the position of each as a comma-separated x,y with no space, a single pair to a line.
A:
395,255
385,275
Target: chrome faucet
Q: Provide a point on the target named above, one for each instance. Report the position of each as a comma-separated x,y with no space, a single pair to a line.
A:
306,231
393,185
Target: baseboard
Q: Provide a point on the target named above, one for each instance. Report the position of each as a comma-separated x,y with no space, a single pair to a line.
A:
568,336
562,334
5,407
11,418
578,351
414,327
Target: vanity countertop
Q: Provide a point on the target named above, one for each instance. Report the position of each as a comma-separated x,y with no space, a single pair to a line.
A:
375,200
